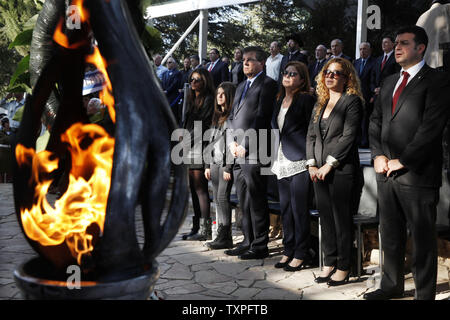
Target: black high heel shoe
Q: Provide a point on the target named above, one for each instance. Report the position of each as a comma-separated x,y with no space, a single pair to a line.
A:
327,278
334,283
292,269
281,265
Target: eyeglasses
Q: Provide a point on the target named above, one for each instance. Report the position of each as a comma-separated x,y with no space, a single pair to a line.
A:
334,74
289,74
195,80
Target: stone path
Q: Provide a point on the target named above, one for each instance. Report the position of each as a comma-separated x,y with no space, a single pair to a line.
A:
189,271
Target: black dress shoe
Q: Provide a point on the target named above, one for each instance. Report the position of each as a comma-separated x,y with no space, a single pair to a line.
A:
381,295
293,269
237,251
335,283
250,254
327,278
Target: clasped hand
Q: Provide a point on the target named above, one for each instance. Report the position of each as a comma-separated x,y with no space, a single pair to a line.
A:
237,150
383,165
319,173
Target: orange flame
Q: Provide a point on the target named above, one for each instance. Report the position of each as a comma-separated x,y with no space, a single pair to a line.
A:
86,197
61,39
84,202
106,93
84,14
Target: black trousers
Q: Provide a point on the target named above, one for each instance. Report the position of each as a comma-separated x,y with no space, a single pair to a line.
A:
335,202
251,188
221,194
405,207
295,215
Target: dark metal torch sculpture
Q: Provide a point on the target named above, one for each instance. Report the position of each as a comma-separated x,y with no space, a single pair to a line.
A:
117,267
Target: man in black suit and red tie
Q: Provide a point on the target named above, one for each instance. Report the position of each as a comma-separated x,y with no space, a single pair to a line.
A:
385,65
252,110
406,143
218,69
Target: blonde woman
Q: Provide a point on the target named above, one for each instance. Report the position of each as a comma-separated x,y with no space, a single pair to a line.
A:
333,163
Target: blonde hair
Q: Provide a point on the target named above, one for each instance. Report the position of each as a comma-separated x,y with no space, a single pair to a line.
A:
352,86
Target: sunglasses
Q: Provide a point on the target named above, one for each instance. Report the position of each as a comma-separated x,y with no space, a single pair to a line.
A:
334,74
289,74
195,80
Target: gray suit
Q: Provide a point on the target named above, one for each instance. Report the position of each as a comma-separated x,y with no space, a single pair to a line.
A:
253,112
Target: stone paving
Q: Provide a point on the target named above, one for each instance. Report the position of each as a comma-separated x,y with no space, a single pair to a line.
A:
189,271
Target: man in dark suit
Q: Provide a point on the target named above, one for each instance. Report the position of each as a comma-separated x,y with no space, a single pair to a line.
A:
252,110
364,66
170,82
218,69
314,68
385,65
294,43
406,142
337,47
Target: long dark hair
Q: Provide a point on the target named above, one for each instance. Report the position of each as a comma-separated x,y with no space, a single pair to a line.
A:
196,102
220,116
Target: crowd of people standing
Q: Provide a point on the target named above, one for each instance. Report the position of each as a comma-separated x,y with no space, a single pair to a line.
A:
322,110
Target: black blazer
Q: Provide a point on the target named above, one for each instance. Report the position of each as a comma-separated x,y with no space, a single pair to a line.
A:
170,82
390,67
240,72
313,72
366,76
340,138
295,127
414,133
254,111
203,114
298,56
346,57
219,73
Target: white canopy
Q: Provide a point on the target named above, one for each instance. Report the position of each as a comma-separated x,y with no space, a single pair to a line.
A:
175,7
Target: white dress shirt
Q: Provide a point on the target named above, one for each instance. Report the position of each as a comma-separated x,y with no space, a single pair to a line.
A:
273,66
413,71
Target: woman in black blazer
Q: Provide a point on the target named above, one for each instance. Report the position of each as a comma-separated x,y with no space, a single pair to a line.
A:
237,67
333,163
200,107
291,117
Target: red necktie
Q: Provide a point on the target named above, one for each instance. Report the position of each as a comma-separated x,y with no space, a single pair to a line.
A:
384,62
399,90
211,66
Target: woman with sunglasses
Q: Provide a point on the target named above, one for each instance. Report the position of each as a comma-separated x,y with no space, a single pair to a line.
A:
218,168
333,163
200,107
291,116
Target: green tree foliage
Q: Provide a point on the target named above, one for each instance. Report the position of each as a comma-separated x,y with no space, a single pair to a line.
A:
318,21
15,17
225,32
